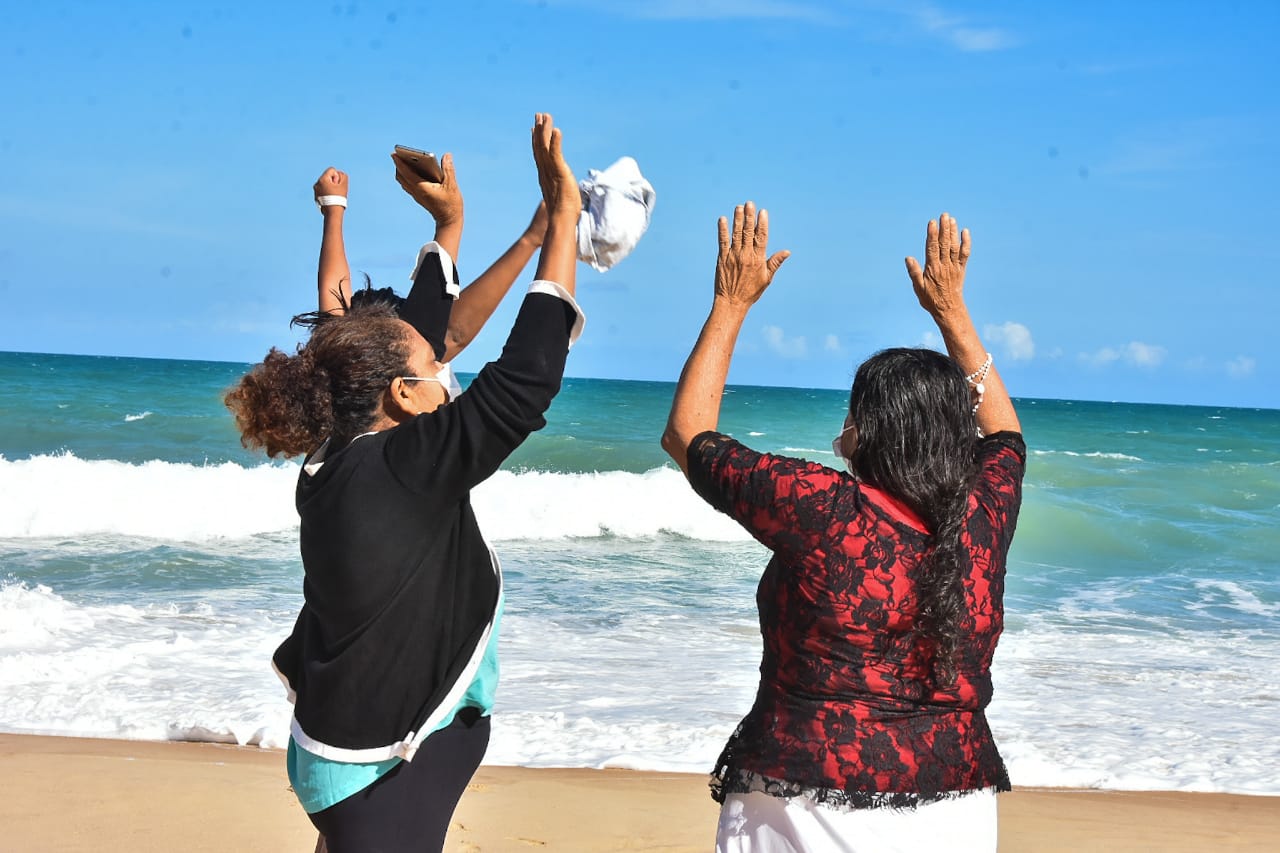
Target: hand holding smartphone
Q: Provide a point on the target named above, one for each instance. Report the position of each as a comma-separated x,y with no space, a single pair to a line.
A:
423,163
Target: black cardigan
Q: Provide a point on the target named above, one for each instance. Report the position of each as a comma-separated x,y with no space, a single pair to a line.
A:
400,585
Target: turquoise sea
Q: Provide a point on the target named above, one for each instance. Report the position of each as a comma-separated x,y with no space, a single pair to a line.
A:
148,567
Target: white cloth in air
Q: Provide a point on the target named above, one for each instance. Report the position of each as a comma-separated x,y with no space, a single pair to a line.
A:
616,205
760,823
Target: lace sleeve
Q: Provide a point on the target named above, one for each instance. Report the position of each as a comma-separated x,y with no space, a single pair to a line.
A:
779,500
1003,460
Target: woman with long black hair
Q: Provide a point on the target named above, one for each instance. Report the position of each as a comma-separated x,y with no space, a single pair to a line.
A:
882,604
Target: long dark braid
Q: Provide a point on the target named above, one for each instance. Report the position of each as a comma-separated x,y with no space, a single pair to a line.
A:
916,440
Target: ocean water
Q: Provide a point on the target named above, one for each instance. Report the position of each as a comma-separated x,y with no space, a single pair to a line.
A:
148,568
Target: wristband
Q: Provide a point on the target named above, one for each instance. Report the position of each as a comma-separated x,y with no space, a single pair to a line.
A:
323,201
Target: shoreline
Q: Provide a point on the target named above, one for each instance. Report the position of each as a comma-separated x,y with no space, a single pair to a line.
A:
74,794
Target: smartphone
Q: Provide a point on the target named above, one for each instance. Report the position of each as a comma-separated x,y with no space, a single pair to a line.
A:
422,162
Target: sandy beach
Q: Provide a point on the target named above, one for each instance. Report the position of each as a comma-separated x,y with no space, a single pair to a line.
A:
75,794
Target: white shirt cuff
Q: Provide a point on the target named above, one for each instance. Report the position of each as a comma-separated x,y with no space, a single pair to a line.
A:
552,289
446,263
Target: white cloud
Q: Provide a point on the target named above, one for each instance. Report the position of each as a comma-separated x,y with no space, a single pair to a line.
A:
1014,337
1144,355
960,34
783,346
931,339
1134,353
831,344
1102,357
1241,366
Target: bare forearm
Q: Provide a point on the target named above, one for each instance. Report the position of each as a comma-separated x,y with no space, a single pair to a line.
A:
333,277
558,260
996,411
744,268
696,406
478,300
449,235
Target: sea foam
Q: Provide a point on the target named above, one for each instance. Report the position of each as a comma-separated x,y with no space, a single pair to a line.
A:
1075,705
152,672
539,505
47,496
59,496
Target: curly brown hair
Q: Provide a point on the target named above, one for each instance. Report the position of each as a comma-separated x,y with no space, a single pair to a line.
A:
331,387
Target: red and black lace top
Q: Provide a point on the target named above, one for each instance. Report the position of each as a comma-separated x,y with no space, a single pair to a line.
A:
847,712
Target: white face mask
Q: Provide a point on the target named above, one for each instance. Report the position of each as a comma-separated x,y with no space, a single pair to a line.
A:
449,380
838,449
446,378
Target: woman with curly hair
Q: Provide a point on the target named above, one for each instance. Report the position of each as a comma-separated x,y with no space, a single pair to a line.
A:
882,604
392,663
450,322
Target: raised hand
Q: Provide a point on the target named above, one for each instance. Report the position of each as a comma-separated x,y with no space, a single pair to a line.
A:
743,267
442,200
536,232
559,186
333,275
331,182
940,285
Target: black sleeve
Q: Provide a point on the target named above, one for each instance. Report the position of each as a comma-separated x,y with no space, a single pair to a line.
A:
459,445
990,444
998,492
429,303
703,454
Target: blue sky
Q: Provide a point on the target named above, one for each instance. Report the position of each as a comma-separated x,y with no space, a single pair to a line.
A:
1115,162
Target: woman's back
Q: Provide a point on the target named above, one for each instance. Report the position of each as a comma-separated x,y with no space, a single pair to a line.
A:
846,678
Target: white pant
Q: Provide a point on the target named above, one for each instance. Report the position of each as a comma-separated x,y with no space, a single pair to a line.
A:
759,823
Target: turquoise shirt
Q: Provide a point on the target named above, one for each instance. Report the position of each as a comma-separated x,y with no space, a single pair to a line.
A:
322,782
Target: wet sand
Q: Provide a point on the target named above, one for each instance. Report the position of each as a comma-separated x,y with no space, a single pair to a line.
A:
73,794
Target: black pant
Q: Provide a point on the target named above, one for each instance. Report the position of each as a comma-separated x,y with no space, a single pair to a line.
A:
409,808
